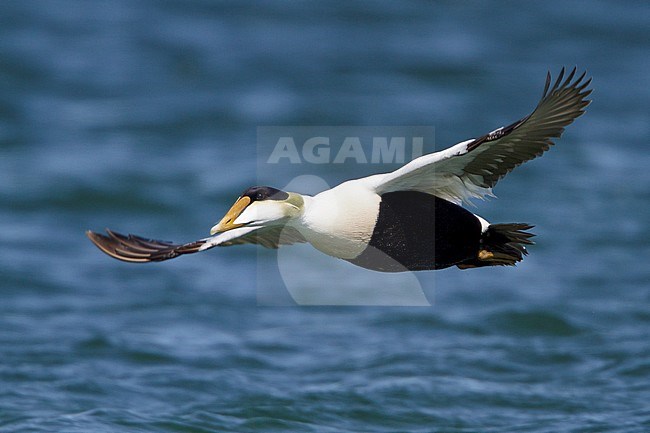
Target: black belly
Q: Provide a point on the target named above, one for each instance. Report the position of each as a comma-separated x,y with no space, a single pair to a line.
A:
417,231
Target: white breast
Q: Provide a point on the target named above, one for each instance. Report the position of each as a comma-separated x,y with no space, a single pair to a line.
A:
340,221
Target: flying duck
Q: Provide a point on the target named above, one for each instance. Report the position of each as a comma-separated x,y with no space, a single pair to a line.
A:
410,219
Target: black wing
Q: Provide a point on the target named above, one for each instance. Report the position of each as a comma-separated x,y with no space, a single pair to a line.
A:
136,249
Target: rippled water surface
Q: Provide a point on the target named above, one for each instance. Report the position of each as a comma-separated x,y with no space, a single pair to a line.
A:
142,116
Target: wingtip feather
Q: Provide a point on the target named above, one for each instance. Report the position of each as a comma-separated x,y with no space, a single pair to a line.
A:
547,85
136,249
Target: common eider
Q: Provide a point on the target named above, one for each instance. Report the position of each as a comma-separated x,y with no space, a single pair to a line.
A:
408,219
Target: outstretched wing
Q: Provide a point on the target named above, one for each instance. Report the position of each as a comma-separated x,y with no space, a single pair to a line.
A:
470,169
136,249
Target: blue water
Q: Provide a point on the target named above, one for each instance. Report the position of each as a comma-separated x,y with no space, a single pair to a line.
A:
142,117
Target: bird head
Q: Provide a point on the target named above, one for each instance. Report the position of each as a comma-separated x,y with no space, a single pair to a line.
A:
260,206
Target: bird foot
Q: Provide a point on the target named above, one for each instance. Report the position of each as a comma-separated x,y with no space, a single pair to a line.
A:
485,255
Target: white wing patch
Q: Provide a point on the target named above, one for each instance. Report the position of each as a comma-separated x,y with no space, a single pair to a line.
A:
439,173
223,238
269,237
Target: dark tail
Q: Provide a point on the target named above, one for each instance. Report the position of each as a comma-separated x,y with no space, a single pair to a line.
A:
502,245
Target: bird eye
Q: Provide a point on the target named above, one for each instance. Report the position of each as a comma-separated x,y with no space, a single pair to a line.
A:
259,196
